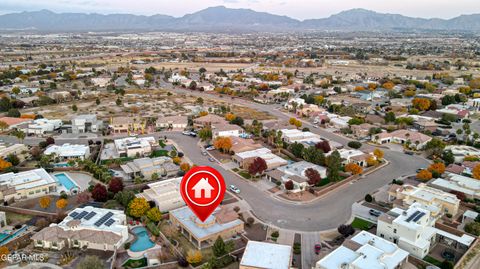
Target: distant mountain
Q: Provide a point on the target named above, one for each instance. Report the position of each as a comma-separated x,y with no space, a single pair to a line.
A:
225,19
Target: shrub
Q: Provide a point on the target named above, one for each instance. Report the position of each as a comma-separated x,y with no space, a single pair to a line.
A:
368,198
354,144
275,234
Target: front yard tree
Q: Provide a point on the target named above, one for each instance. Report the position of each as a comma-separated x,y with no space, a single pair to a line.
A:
314,155
61,203
115,185
447,157
224,144
45,202
257,167
219,247
324,146
4,164
378,153
424,175
205,134
334,163
313,176
99,193
353,168
289,185
185,167
297,149
194,256
124,197
437,169
476,172
346,230
90,262
138,207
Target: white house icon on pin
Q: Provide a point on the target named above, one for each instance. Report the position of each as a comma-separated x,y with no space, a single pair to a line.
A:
203,185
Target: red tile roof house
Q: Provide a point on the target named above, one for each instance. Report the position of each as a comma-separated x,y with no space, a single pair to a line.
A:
14,122
417,140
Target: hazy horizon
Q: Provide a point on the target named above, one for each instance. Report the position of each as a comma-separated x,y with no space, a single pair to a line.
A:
299,9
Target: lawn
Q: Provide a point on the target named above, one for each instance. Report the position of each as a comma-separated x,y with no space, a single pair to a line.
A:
361,224
245,174
158,153
14,218
432,261
131,263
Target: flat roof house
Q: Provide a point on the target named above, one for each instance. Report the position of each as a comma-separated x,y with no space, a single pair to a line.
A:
133,146
42,126
453,182
365,251
223,222
172,122
86,123
438,201
296,173
127,125
227,130
15,149
28,184
414,231
89,227
266,256
165,194
208,120
68,151
416,139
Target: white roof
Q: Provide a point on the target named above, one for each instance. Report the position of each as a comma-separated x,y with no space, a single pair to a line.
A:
375,253
253,153
266,255
68,150
132,142
28,179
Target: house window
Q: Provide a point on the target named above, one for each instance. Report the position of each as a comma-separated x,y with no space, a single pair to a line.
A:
381,235
394,231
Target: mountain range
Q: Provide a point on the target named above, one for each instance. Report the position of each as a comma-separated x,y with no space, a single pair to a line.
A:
226,19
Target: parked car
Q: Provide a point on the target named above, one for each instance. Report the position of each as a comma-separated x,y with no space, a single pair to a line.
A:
210,148
186,132
375,213
317,248
234,189
204,153
211,159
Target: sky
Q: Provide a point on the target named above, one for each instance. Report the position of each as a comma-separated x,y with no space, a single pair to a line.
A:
299,9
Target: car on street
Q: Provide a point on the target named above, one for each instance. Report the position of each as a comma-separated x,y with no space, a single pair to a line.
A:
234,189
204,153
210,148
375,213
211,159
317,248
186,132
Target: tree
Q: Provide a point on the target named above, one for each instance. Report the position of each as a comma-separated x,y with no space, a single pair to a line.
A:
378,153
368,198
99,193
124,197
61,203
41,223
74,108
324,146
4,165
446,265
115,185
14,113
185,167
97,101
194,256
230,116
45,202
476,172
424,175
421,103
354,144
13,159
334,163
223,143
4,251
371,161
205,133
90,262
3,125
138,207
49,141
390,117
435,147
154,214
19,134
296,149
447,157
289,185
257,167
219,247
388,85
437,169
473,228
313,176
353,168
237,121
314,155
346,230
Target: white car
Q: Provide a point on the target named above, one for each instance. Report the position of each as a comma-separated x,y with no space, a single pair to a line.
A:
234,189
186,132
210,148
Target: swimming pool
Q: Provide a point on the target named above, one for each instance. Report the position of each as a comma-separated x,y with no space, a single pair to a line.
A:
143,241
61,165
5,237
65,181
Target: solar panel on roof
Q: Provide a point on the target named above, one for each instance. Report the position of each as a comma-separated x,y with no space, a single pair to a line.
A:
73,214
81,215
90,215
419,216
109,222
103,219
412,216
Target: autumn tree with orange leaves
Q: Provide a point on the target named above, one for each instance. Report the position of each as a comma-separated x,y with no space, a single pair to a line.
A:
421,103
476,172
437,169
4,164
353,168
222,143
424,175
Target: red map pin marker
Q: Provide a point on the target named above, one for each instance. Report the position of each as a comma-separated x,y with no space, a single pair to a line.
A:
202,189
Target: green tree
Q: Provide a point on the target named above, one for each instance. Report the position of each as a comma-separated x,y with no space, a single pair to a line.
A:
390,117
74,108
334,164
16,90
205,134
447,157
13,112
314,155
220,248
296,149
97,101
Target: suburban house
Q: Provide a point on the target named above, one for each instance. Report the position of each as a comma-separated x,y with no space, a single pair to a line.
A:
13,123
414,231
68,151
262,255
353,156
226,130
172,122
41,126
223,222
88,227
208,121
165,194
86,123
243,144
294,135
127,125
461,151
462,184
362,130
416,139
135,146
296,173
145,167
15,149
365,251
27,184
244,159
437,201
